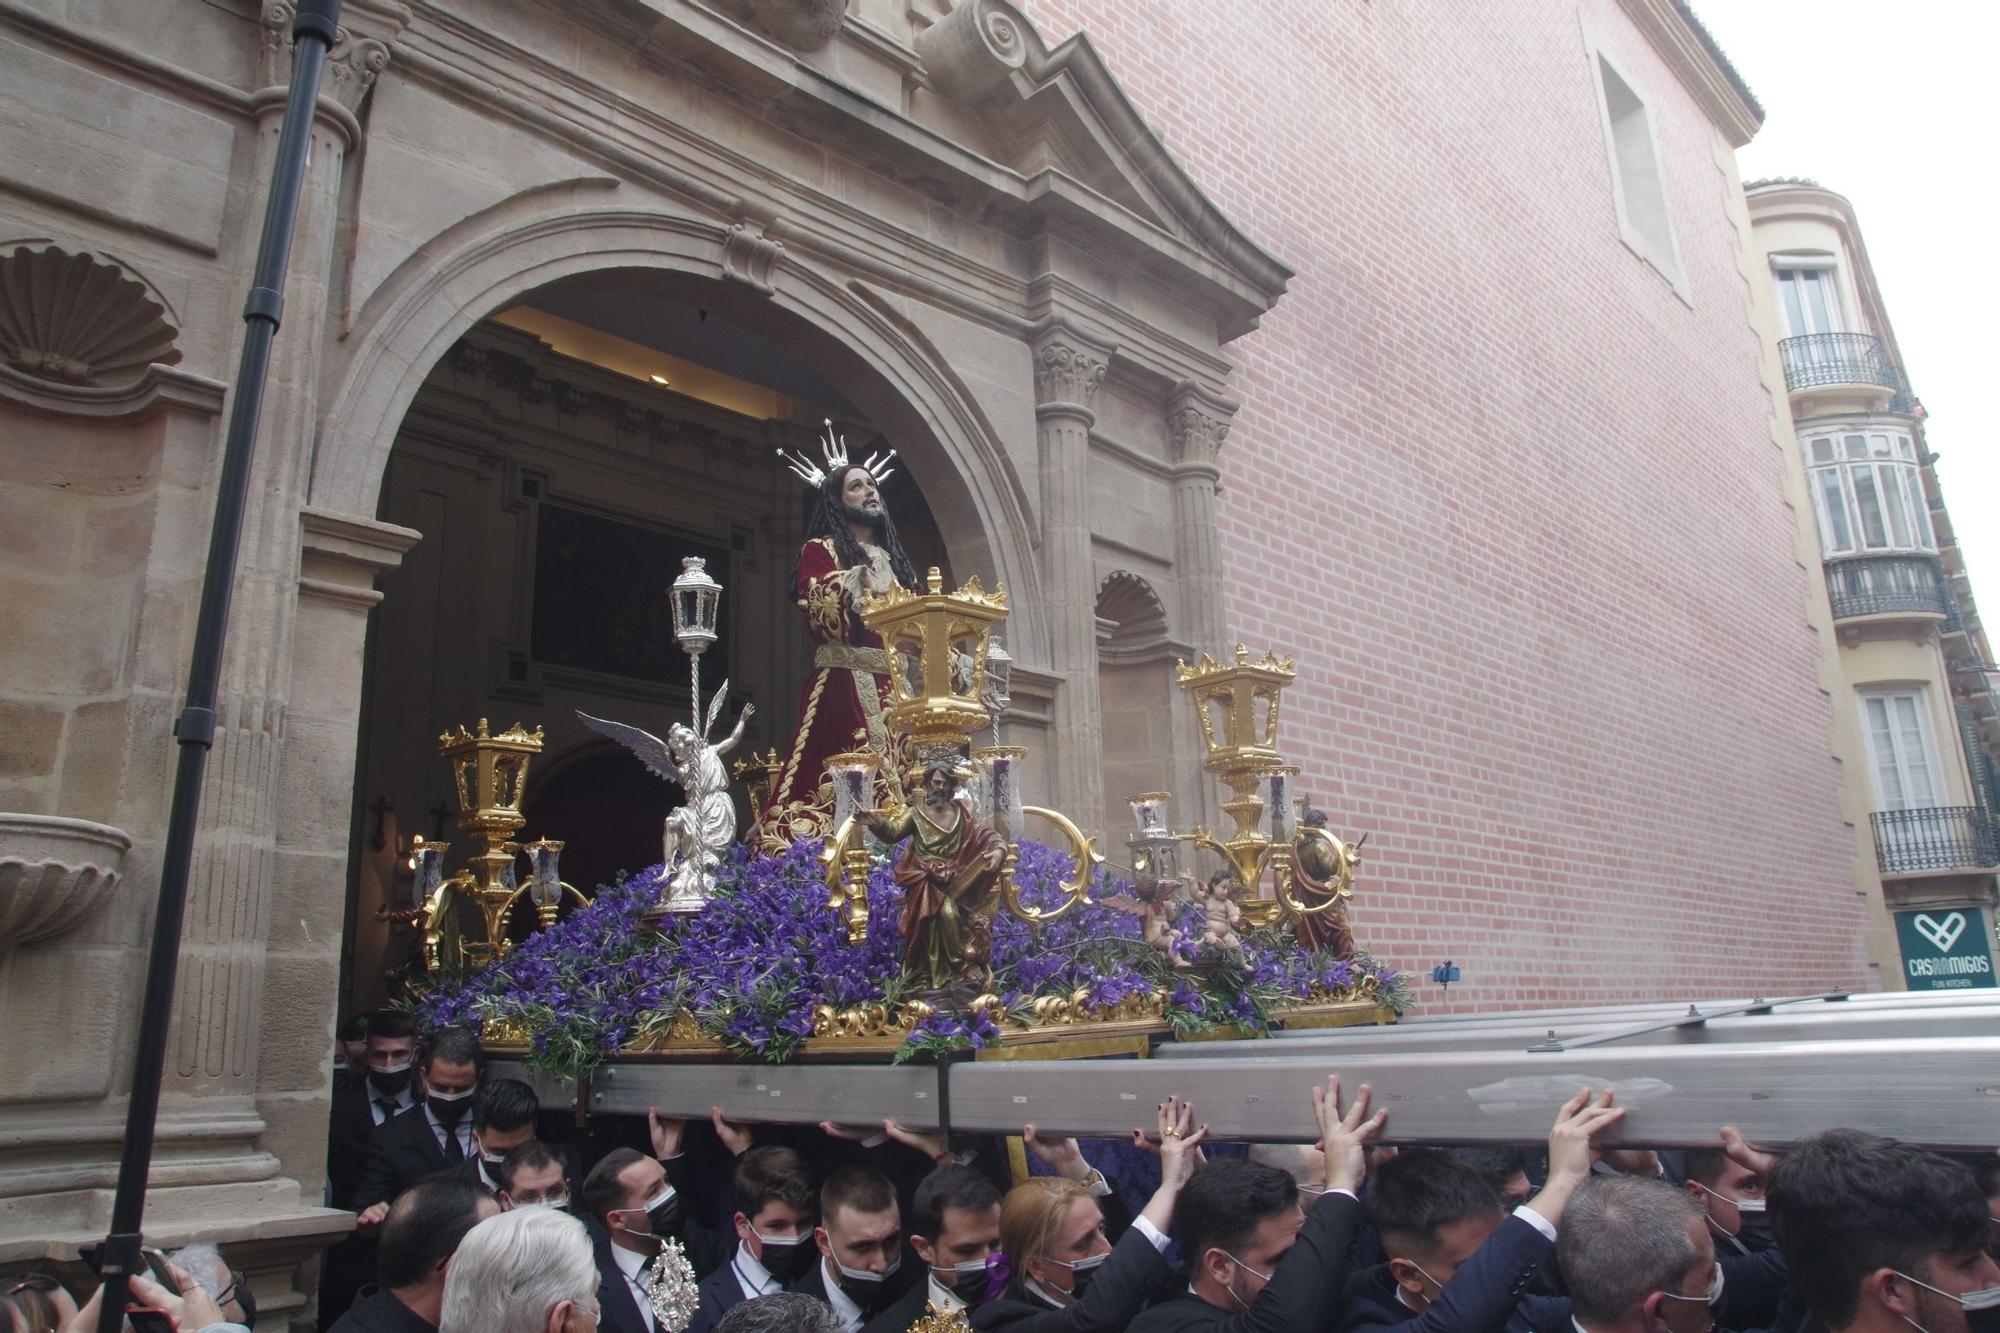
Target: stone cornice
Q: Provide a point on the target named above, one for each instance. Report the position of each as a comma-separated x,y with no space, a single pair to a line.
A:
1689,52
552,98
159,389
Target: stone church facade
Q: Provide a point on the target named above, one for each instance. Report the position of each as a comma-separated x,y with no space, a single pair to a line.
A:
1333,329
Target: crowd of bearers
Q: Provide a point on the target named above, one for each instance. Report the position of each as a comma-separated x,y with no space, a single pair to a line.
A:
470,1220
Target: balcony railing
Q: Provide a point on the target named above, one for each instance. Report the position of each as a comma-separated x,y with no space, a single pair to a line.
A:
1817,359
1945,837
1876,585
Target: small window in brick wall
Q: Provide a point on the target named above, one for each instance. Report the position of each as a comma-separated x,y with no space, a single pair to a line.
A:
1637,182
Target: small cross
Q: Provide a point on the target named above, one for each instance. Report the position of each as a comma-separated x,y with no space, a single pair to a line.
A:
380,809
439,813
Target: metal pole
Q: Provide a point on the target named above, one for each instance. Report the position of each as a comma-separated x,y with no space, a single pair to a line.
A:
313,33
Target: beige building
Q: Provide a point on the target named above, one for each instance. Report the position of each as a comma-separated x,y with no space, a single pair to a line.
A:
1916,713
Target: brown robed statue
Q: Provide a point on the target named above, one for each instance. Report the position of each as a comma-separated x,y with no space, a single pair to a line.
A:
950,878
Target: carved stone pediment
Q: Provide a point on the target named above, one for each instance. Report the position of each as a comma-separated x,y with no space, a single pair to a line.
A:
1058,117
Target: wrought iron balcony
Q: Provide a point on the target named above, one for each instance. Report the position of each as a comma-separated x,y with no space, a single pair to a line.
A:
1944,837
1878,585
1817,360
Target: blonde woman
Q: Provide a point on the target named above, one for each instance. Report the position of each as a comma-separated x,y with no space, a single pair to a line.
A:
1063,1274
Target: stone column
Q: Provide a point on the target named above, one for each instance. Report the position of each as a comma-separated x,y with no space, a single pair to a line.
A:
1068,369
1197,424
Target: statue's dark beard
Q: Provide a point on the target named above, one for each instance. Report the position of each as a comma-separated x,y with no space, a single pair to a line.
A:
937,800
874,518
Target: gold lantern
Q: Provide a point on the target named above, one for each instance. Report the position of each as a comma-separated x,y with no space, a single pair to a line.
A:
937,646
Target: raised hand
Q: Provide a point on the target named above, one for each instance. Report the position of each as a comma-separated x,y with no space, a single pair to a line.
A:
1573,1141
1739,1151
931,1143
1180,1143
666,1133
1062,1156
1345,1135
848,1133
734,1136
1572,1148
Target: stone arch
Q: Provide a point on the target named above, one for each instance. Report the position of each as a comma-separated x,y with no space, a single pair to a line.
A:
496,257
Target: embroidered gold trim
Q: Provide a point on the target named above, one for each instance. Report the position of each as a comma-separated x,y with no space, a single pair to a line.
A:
850,657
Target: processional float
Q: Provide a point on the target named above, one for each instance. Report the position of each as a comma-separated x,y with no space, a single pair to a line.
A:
1775,1067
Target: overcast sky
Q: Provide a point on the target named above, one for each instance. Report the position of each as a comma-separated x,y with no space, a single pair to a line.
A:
1894,106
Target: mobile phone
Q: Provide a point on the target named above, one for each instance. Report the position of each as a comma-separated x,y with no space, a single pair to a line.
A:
146,1319
156,1261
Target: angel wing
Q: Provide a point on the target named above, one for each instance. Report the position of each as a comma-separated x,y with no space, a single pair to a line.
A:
714,709
650,749
1126,903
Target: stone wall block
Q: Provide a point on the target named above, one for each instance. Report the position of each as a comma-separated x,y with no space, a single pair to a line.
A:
30,740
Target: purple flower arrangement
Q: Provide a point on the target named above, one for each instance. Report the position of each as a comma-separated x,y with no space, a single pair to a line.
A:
751,968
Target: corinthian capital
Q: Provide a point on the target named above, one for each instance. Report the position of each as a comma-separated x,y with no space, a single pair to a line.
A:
361,48
1198,422
1068,367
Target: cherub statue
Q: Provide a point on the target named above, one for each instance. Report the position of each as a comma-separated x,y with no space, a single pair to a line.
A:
1154,903
1219,907
697,832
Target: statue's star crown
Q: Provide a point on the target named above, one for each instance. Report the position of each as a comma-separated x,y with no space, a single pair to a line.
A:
833,448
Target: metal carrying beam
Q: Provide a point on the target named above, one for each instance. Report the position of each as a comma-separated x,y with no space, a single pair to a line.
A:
1937,1091
1798,1022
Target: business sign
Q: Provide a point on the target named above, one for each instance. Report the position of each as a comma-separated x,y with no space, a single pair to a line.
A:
1948,950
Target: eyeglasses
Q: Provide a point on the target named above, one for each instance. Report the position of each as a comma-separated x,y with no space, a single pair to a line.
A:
228,1293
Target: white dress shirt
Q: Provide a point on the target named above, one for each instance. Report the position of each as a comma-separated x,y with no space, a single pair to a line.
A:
943,1299
751,1276
629,1263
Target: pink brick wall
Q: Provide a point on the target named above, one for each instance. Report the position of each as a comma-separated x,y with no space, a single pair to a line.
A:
1552,643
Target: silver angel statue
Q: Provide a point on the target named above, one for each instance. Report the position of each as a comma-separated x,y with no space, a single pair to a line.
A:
698,832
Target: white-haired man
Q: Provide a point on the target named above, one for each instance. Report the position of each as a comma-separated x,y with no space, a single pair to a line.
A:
530,1270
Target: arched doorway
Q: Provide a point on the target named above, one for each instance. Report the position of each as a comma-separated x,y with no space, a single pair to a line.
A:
561,458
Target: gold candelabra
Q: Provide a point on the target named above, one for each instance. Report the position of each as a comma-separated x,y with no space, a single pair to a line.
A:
1238,704
489,775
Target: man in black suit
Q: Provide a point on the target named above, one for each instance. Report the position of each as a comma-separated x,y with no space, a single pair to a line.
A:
418,1238
1255,1260
360,1105
503,1118
860,1242
435,1136
774,1243
1458,1262
954,1227
634,1208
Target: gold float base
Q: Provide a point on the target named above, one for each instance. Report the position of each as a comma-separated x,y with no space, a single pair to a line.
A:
1082,1039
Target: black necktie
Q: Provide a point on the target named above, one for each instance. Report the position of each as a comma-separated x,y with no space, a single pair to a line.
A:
452,1151
388,1105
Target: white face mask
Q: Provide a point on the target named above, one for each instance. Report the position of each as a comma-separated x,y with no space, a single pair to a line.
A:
390,1068
439,1096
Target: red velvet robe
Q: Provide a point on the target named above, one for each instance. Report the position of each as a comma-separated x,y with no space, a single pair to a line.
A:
840,706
